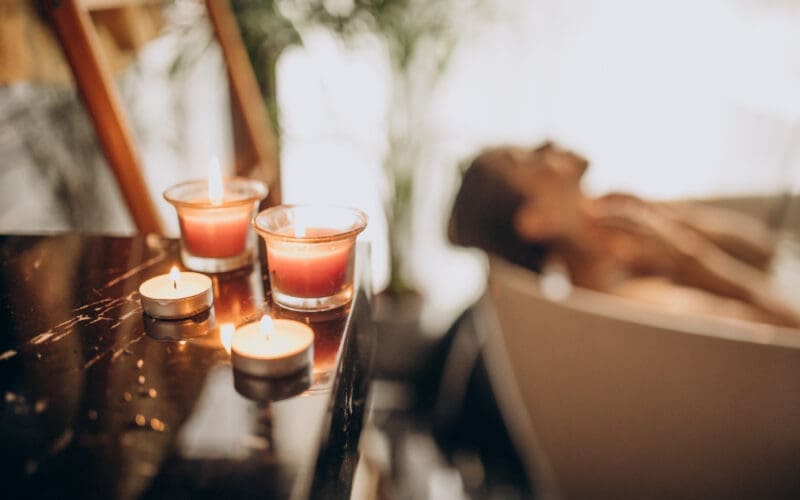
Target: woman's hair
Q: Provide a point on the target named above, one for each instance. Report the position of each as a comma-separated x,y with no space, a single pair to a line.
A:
484,209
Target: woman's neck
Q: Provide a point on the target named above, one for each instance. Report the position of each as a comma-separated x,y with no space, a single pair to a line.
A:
589,265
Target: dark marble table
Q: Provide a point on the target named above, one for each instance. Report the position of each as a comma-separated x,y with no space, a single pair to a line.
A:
93,406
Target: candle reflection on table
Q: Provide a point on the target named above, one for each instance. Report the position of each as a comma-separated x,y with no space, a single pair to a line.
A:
180,330
328,328
272,389
226,331
238,295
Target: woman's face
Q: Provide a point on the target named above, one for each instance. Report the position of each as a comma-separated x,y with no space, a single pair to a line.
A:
549,179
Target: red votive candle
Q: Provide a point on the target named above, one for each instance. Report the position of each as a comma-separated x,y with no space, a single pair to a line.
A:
310,254
214,218
215,233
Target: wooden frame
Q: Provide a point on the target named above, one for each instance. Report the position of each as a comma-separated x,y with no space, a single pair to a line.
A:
256,148
81,47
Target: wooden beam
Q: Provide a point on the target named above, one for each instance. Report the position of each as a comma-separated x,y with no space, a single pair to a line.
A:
81,46
260,158
91,5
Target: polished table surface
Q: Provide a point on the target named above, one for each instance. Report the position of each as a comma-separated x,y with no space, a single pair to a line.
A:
99,403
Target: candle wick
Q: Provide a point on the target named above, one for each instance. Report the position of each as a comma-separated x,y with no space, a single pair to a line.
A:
174,284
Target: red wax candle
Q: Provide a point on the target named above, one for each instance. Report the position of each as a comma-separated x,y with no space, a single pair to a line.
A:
216,233
310,269
310,254
215,217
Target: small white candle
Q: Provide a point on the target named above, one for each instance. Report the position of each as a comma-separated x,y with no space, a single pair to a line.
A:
176,295
272,348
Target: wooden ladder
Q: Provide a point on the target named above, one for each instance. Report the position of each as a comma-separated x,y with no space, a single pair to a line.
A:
256,147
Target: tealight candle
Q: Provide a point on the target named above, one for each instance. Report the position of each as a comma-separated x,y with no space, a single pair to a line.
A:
214,218
176,295
310,254
272,348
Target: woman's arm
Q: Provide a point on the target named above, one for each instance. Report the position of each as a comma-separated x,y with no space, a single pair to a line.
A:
742,236
650,243
709,268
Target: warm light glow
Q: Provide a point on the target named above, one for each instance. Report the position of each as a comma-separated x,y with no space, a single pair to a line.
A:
226,336
215,182
174,276
267,326
299,224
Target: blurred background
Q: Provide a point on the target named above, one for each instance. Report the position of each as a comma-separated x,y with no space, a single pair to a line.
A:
378,103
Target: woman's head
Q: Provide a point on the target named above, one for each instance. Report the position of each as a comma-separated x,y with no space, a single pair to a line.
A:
515,201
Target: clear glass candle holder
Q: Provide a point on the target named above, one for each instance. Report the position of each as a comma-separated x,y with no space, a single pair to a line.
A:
310,254
217,237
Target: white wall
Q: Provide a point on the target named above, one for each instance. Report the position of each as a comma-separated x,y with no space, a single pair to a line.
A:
667,99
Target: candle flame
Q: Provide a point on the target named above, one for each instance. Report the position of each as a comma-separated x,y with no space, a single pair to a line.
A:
267,326
174,276
226,336
215,191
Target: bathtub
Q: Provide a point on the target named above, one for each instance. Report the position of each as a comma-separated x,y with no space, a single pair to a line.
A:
609,399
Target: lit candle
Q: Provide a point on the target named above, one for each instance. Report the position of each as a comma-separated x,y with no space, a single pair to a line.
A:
214,217
310,254
215,233
176,295
272,348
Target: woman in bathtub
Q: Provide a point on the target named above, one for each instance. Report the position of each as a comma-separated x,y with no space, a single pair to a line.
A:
527,206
